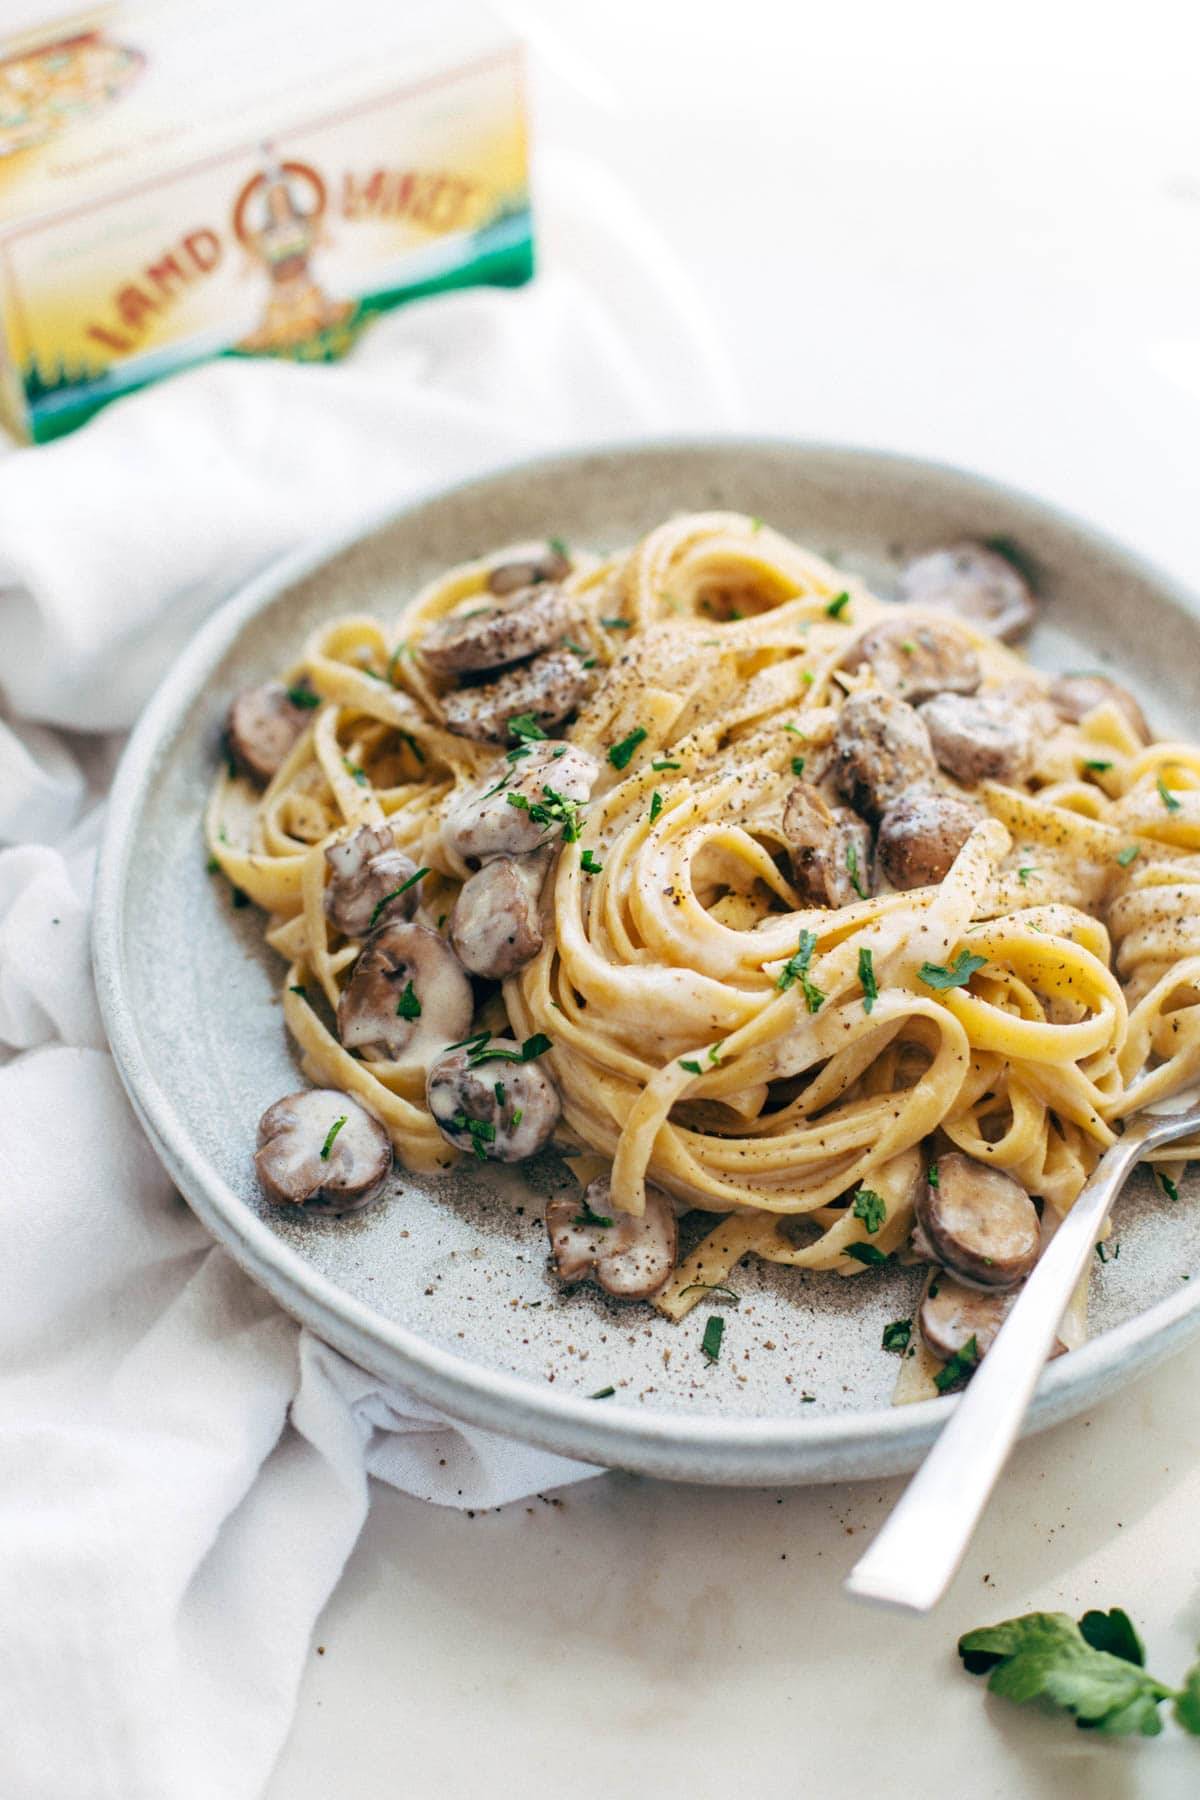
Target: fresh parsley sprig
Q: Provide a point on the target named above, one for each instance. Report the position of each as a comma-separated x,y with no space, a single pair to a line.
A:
1093,1670
934,975
796,969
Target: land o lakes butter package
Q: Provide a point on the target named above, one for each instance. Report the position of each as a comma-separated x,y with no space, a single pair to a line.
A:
205,178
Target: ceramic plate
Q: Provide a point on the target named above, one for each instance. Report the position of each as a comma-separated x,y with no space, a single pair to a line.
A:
444,1286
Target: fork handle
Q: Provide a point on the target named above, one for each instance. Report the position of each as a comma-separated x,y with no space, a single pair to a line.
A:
914,1558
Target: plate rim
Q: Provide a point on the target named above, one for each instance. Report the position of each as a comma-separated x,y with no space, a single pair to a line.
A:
778,1448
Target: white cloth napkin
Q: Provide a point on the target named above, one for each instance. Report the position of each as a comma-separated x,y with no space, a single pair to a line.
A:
182,1468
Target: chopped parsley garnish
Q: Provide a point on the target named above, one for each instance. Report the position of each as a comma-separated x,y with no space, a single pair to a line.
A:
712,1287
897,1335
662,764
554,809
213,866
395,895
590,1218
932,1175
1102,1253
394,658
866,976
959,1367
714,1331
360,775
617,624
1168,1186
655,805
1126,856
408,1006
482,1133
472,1044
908,646
515,755
1166,796
958,975
499,787
852,870
533,1047
1024,872
796,969
304,697
693,1068
756,524
559,548
327,1146
797,765
870,1254
589,865
303,992
796,732
1094,1671
837,606
500,1092
603,1394
518,1115
807,677
871,1208
1100,768
525,727
620,755
413,745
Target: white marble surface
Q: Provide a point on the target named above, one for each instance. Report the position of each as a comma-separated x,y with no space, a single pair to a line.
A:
973,234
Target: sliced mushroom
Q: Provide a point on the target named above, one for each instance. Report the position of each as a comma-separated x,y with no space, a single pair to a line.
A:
488,636
263,725
980,585
920,835
830,848
917,658
407,996
496,924
321,1150
508,578
1074,696
498,1106
979,737
880,748
951,1314
367,882
502,814
979,1222
629,1258
549,687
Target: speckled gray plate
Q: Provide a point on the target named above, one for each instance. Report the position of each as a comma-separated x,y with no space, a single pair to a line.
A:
444,1286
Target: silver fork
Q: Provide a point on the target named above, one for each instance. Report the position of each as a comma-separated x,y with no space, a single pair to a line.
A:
914,1558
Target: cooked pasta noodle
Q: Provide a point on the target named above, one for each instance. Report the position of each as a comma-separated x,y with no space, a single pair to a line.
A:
689,1047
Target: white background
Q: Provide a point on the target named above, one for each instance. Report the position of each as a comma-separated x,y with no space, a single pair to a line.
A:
973,232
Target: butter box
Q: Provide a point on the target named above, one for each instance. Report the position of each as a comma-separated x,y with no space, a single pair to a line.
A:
240,178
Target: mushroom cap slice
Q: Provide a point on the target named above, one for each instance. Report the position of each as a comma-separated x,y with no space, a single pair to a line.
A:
980,737
367,872
830,848
629,1258
302,1160
917,658
549,687
262,727
481,821
880,748
1074,696
980,585
951,1314
407,996
920,835
489,636
507,578
500,1108
979,1222
496,925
